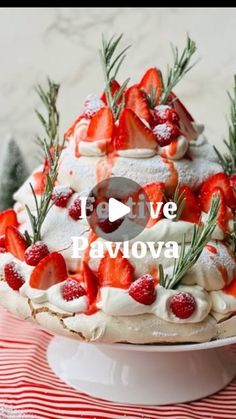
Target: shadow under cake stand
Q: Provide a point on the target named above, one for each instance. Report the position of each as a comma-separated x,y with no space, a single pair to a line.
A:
144,374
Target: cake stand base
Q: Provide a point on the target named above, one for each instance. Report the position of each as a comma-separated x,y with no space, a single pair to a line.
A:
143,374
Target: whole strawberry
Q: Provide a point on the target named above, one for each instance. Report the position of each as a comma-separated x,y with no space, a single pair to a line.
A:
182,305
35,253
14,279
71,289
143,290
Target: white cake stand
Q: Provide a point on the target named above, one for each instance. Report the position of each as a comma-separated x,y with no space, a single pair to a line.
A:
144,374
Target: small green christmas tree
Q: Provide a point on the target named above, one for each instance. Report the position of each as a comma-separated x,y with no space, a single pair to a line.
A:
12,174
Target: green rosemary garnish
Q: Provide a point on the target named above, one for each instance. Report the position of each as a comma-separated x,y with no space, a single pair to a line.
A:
228,161
180,200
201,236
52,151
111,64
181,66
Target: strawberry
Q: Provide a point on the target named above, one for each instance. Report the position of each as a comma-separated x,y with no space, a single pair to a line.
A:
191,211
91,283
72,289
101,126
61,195
132,133
143,290
222,182
137,102
35,253
223,212
115,272
12,276
15,242
92,104
164,113
155,193
166,133
50,271
7,218
182,305
40,180
232,181
72,128
152,80
114,87
185,119
2,241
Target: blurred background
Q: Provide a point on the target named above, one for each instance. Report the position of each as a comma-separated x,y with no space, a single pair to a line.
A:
63,43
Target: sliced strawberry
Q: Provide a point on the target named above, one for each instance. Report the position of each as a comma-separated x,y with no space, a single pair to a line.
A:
155,193
114,87
221,181
7,218
137,102
185,119
15,243
40,180
133,133
50,271
91,283
191,211
224,212
115,272
232,181
2,241
71,129
101,126
152,80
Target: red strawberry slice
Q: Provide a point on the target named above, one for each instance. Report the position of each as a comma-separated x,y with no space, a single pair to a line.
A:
135,100
185,119
224,213
15,243
114,87
7,218
222,182
50,271
115,272
155,193
71,129
101,126
152,79
2,241
191,211
132,133
232,181
91,283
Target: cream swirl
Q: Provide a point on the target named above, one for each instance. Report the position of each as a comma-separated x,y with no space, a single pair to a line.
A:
176,150
223,303
118,302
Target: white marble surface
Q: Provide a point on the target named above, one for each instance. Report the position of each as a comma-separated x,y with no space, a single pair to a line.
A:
63,43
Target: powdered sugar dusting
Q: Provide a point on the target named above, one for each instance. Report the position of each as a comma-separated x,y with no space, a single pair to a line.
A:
161,110
62,190
163,130
92,104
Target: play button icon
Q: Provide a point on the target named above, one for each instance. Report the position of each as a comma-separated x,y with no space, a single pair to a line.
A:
120,211
117,209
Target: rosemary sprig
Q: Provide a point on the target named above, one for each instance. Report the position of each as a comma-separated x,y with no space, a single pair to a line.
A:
201,235
111,64
228,161
52,151
181,66
180,200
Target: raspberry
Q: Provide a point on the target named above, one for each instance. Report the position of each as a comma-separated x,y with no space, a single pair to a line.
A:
75,209
143,290
182,305
35,253
12,276
108,227
164,113
71,289
61,195
166,133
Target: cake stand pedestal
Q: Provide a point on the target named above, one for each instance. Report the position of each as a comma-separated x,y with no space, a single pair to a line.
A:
144,374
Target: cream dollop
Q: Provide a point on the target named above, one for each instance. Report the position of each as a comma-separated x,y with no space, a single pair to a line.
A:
137,153
92,148
118,302
180,149
222,303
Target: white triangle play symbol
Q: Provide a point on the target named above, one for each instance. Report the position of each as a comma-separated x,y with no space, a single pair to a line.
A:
117,210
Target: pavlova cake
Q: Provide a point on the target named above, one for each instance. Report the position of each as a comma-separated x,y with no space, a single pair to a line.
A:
142,132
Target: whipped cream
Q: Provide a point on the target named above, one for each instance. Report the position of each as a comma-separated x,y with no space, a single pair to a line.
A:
222,303
92,148
118,302
137,153
176,150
